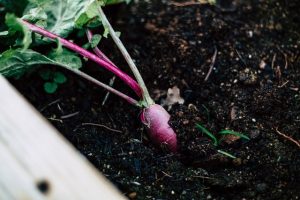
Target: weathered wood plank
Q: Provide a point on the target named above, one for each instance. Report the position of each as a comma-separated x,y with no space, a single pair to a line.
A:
36,162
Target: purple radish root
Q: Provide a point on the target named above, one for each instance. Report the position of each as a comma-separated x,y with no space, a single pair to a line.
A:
156,119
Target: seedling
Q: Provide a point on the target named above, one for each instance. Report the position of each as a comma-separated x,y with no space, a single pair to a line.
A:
226,154
209,134
53,80
46,25
216,142
229,132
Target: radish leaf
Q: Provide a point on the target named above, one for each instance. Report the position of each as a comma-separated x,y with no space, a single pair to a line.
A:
14,63
61,15
66,58
16,26
95,40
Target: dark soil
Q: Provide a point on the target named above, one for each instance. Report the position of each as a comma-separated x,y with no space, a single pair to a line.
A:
253,89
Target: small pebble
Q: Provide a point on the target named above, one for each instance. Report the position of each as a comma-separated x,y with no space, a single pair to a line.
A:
254,133
237,161
132,195
262,64
185,122
261,187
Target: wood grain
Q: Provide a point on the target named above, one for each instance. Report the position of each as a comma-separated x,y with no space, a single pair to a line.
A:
36,162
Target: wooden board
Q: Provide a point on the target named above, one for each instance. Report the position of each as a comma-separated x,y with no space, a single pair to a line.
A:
36,162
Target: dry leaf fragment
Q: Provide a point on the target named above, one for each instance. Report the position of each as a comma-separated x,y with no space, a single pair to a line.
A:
173,97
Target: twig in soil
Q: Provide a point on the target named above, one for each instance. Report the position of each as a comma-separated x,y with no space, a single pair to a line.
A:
285,57
69,115
288,137
241,58
204,177
54,119
59,108
111,83
213,60
278,72
281,86
101,125
187,3
273,60
294,89
166,174
49,104
286,62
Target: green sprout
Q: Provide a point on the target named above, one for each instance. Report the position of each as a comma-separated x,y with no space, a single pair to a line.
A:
53,80
222,132
209,134
226,154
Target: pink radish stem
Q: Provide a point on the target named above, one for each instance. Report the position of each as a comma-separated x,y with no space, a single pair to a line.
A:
154,116
99,53
127,79
146,97
107,87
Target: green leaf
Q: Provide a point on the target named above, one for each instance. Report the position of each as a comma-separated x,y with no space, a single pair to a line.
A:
117,1
50,87
106,30
15,25
14,63
59,49
209,134
59,78
61,14
35,14
91,13
66,58
95,40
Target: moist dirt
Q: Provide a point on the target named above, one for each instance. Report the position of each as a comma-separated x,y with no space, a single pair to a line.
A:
253,88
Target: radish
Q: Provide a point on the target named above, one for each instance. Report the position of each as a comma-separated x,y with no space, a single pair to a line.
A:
156,119
153,116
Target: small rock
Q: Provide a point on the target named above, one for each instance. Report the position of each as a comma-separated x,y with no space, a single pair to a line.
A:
173,97
237,161
262,64
185,122
261,187
230,139
248,76
180,114
132,195
254,133
192,107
